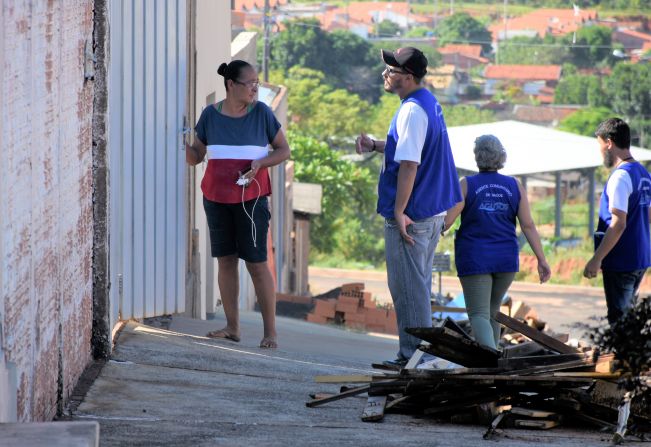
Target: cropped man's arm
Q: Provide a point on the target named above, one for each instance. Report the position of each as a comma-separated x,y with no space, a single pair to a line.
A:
406,178
379,146
611,237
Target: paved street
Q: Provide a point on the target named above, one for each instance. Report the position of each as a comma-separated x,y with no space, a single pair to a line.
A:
177,388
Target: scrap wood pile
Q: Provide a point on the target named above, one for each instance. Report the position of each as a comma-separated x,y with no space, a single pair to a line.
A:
537,384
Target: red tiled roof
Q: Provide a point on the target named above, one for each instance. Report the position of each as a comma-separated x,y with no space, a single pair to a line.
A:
637,34
362,13
534,114
543,21
466,50
238,18
523,72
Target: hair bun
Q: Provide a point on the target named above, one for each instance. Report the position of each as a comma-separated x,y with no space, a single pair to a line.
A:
222,69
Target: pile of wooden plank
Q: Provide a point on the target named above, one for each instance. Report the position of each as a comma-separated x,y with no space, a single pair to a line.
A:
537,384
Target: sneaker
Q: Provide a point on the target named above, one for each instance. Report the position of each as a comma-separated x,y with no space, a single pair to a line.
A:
396,364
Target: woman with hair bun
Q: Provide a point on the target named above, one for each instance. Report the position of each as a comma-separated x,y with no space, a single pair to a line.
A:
486,246
235,134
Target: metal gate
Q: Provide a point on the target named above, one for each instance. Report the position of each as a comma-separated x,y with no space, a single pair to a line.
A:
147,85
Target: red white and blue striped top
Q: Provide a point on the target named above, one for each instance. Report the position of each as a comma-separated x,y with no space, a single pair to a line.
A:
233,143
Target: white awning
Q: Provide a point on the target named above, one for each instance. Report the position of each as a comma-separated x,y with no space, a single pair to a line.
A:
531,149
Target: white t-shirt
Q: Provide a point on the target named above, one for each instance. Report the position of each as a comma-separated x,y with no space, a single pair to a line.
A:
411,126
619,188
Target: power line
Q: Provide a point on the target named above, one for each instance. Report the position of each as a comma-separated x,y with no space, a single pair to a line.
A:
505,42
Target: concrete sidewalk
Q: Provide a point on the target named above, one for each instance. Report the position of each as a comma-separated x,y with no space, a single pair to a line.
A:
175,387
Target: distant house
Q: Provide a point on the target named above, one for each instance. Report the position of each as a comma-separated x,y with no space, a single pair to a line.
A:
544,115
255,5
541,22
534,80
361,17
463,57
447,82
631,39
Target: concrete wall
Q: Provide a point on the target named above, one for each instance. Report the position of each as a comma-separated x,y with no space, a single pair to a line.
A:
244,48
212,37
46,214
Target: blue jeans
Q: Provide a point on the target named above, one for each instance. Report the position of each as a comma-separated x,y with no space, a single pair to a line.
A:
621,291
409,273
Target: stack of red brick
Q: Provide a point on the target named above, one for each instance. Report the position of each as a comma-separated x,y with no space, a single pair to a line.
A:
355,309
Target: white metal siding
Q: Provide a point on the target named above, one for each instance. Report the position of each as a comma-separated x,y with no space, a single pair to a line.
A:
147,72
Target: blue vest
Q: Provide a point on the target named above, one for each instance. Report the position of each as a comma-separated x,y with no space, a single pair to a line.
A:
486,241
633,250
436,187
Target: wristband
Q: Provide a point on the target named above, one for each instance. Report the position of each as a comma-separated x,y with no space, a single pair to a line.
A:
373,148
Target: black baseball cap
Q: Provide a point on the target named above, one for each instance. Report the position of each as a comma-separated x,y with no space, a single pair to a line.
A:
410,59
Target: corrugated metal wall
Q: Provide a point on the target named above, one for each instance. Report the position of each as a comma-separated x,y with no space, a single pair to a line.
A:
147,87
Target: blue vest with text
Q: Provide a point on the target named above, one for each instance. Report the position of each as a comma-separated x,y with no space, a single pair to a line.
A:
486,241
436,187
633,250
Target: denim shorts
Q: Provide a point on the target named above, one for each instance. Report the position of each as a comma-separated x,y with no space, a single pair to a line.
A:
232,232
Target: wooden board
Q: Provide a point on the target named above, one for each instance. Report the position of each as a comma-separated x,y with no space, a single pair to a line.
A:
325,400
530,412
436,308
528,348
534,334
344,379
452,325
541,424
450,345
537,360
374,410
415,359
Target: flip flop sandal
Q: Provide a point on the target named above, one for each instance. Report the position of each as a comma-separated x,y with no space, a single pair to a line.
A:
268,343
220,333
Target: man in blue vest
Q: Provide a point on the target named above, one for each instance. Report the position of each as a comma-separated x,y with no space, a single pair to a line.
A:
623,247
418,183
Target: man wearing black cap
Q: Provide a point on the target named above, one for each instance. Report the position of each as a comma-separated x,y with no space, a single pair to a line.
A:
418,183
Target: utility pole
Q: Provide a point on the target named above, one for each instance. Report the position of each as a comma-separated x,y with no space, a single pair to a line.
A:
505,19
435,20
265,54
497,45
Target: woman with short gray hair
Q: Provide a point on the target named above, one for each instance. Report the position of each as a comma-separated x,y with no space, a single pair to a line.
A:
486,246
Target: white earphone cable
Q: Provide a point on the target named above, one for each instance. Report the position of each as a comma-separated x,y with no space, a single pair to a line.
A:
254,230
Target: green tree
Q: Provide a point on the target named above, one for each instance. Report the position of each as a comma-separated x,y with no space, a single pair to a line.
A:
593,46
579,89
319,110
388,28
420,31
463,115
461,27
382,115
585,121
353,65
531,51
347,224
302,42
347,60
628,90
